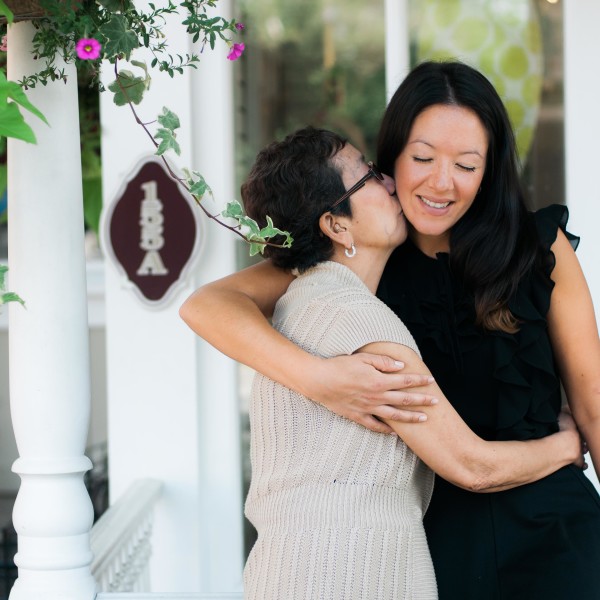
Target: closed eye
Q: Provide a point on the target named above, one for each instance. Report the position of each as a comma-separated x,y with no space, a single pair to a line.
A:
421,160
465,168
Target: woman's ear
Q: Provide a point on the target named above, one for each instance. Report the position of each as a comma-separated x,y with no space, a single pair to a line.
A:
335,227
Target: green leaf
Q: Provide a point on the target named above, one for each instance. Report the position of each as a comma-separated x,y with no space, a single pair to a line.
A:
128,88
11,297
256,249
92,201
169,119
6,12
270,231
15,91
168,141
119,39
233,210
12,123
6,297
198,187
251,224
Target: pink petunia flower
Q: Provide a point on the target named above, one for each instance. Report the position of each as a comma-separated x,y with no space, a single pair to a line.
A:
236,51
88,49
3,46
240,26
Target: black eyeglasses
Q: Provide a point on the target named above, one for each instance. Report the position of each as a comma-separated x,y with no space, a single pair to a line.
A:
373,172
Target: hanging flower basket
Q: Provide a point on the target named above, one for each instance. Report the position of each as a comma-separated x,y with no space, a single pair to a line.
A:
24,10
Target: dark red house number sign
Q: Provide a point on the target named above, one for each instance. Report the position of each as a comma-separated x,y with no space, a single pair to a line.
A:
151,231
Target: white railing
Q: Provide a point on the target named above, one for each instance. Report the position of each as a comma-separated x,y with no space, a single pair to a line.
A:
121,541
158,596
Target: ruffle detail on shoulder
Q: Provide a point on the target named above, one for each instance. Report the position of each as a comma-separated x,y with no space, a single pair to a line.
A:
548,221
529,390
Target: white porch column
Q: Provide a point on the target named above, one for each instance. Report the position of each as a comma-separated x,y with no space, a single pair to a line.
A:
172,413
48,342
150,365
221,524
582,130
397,32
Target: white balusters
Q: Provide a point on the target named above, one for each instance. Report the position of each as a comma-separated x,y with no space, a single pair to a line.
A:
122,540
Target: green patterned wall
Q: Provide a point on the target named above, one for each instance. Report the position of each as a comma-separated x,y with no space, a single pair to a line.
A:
501,38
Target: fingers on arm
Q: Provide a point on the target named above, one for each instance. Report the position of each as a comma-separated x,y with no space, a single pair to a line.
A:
417,388
387,364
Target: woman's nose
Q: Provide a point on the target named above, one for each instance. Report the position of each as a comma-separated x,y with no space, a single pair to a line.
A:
441,178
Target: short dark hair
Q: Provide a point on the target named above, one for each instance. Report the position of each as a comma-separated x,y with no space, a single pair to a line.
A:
294,182
494,243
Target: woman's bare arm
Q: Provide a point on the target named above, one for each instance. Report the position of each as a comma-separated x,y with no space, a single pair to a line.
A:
231,315
574,334
452,450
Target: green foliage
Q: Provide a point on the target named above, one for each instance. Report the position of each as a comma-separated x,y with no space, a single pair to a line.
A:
257,237
92,201
197,185
128,88
121,28
91,163
12,122
169,119
248,228
6,297
119,38
91,171
170,122
6,12
168,141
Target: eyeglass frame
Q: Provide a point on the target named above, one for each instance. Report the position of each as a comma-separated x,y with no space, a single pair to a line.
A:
372,172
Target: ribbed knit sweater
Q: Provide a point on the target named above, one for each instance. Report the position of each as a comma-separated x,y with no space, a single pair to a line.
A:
338,508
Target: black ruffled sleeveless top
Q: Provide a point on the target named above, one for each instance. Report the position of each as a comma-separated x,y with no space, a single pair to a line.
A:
505,386
540,541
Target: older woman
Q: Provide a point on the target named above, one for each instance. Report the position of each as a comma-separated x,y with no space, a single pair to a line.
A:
338,508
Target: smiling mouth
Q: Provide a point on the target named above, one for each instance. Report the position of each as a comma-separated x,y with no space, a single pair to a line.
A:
433,204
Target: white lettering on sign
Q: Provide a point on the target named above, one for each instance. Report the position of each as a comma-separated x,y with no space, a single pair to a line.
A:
151,238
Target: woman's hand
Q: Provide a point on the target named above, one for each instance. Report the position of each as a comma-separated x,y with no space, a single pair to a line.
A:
567,423
367,387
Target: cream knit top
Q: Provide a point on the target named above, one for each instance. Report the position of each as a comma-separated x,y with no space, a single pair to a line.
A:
338,508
